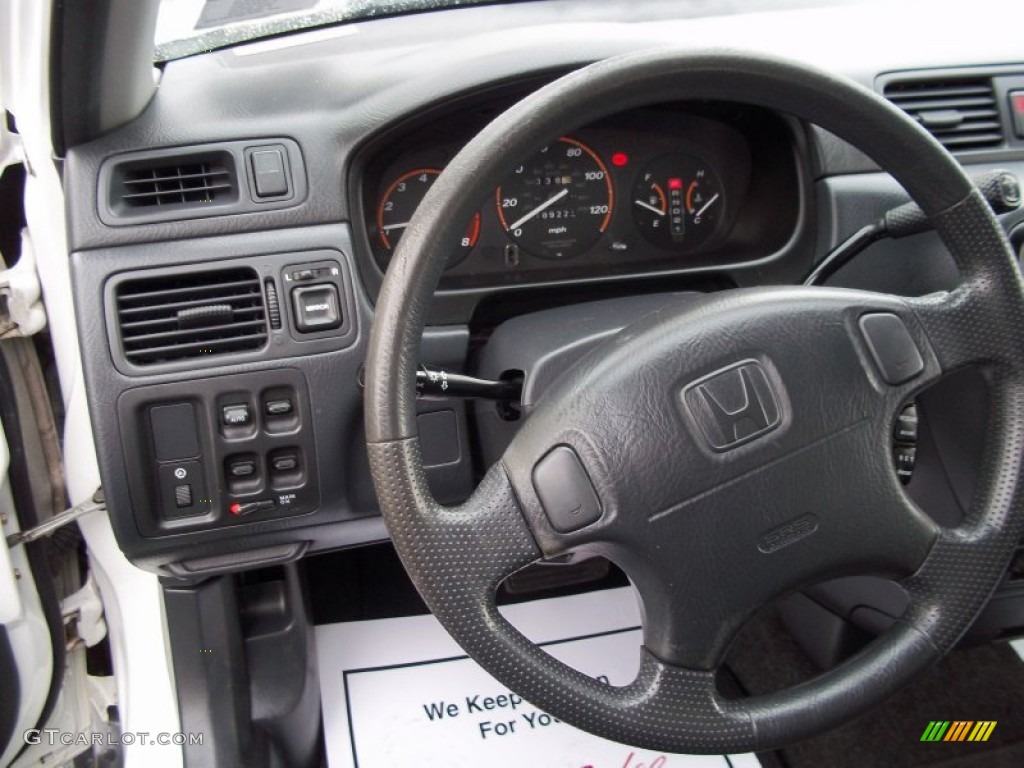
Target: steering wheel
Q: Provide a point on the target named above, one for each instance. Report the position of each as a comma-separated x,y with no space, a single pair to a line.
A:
722,453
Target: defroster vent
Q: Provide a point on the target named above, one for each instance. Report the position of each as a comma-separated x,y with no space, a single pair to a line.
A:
960,112
199,314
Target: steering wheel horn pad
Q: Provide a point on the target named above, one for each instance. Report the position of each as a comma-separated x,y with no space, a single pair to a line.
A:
709,534
739,447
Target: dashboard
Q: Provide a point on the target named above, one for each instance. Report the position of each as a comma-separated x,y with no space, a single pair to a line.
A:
360,120
677,187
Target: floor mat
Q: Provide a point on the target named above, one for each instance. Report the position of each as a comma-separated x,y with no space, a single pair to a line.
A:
985,683
398,691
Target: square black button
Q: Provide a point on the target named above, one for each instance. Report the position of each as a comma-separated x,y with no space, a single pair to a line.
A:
269,172
316,308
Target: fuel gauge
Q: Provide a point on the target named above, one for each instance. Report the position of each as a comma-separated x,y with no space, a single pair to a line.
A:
678,202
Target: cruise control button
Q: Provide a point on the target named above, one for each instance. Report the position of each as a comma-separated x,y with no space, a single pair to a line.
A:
906,458
906,427
317,308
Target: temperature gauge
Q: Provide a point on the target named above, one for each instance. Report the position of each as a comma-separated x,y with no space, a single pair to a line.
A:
678,202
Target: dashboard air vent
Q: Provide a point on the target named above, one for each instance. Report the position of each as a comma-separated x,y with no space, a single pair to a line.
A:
960,112
175,317
174,183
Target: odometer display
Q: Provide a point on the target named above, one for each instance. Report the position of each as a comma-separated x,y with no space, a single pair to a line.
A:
558,203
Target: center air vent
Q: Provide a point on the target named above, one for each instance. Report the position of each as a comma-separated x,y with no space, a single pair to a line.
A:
175,317
960,112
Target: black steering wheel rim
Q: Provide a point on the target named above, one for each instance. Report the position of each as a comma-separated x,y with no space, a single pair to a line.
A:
457,557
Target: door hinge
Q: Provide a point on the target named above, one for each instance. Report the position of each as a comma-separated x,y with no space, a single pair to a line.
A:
85,608
21,305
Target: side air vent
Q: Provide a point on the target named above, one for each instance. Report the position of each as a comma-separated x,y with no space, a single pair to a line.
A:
960,112
176,317
201,181
173,184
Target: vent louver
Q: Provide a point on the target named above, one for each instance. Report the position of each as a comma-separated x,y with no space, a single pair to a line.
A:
175,183
960,112
176,317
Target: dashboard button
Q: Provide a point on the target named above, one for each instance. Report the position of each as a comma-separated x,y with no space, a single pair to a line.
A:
182,489
285,462
281,407
317,308
237,415
1017,110
183,496
242,468
268,172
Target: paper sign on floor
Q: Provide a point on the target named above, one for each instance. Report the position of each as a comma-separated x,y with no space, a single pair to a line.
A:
400,692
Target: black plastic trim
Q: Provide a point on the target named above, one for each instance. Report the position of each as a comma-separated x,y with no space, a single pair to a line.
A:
283,342
113,213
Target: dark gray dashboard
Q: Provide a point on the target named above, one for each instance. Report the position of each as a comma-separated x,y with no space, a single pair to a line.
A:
355,112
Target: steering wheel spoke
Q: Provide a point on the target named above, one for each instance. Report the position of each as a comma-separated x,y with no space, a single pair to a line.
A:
483,540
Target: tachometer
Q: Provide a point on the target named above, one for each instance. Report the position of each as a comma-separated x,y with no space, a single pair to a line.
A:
559,202
400,201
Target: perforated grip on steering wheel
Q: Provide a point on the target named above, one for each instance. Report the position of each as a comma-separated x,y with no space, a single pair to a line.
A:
483,541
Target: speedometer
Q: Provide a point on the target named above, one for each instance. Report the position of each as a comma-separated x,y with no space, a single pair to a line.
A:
558,203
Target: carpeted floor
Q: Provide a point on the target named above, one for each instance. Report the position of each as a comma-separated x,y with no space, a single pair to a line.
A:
981,683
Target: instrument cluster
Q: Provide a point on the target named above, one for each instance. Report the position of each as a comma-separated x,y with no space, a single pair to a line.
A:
648,190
